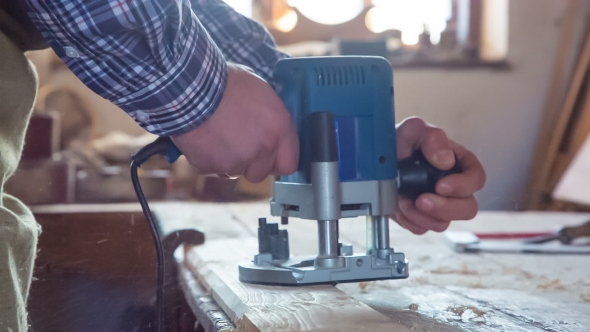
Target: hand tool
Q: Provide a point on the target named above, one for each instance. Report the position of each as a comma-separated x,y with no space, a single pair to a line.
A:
344,114
469,242
564,235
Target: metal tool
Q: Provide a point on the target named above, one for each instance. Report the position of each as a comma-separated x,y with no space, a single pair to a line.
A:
344,113
469,242
564,235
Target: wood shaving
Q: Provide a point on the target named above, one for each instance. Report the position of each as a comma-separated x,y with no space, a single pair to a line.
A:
516,270
363,285
413,307
447,270
551,285
476,285
421,280
460,310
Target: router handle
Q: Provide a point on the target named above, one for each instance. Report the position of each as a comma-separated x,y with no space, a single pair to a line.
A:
417,176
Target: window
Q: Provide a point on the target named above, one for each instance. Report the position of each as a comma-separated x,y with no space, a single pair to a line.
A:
410,33
412,18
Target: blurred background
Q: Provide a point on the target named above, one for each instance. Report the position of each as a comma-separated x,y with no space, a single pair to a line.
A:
483,70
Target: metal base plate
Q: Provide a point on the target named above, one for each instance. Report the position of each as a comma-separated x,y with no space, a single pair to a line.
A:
302,271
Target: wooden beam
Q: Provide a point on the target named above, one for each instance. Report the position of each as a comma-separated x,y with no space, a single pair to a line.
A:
274,308
209,315
546,146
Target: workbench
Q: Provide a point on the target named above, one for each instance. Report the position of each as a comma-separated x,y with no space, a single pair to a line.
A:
446,290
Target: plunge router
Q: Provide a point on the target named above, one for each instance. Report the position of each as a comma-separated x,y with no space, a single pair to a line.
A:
344,114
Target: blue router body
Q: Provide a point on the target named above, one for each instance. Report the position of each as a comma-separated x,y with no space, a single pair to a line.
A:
359,90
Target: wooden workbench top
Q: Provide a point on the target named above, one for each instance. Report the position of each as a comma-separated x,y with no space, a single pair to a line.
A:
446,291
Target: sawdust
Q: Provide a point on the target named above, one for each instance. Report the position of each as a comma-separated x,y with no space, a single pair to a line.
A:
551,285
585,297
516,270
363,286
447,270
421,280
462,309
413,307
477,284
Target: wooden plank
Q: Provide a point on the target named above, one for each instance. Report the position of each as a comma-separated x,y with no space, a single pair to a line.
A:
209,315
575,139
442,293
272,308
552,111
573,185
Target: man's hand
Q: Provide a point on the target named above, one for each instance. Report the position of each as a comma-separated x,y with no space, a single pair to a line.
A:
250,133
454,199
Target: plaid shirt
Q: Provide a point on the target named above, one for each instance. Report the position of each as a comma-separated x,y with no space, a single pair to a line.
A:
161,61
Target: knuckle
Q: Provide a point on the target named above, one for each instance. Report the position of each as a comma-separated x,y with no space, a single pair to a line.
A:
482,181
410,125
419,231
268,145
435,136
282,121
441,226
471,211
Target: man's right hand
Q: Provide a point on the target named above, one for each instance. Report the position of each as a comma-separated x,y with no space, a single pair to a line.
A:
250,133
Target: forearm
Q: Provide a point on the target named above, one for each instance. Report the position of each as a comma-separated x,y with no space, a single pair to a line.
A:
240,39
153,59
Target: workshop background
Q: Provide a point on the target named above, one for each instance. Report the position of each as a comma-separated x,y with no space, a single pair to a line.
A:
506,78
484,77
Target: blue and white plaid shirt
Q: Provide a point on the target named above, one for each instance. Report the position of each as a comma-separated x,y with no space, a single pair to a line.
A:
161,61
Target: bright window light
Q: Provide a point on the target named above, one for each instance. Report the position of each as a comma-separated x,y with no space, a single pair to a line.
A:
243,7
329,12
287,22
410,17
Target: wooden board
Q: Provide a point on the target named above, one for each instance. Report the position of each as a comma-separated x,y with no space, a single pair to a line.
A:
271,308
567,75
446,291
573,186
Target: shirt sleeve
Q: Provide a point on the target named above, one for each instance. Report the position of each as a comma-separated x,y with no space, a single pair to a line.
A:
152,58
240,39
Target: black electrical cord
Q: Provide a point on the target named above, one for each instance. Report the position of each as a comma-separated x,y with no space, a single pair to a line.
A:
165,147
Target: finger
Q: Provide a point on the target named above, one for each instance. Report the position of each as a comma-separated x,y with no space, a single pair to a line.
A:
220,163
415,134
287,159
448,208
469,181
422,219
403,221
260,168
408,135
437,149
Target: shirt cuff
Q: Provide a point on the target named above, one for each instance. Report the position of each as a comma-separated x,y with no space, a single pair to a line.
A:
182,99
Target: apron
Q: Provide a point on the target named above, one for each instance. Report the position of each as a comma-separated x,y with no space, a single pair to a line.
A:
18,229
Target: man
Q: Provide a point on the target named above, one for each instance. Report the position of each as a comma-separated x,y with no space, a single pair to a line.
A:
195,71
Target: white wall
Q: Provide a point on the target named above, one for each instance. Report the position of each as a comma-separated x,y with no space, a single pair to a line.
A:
496,114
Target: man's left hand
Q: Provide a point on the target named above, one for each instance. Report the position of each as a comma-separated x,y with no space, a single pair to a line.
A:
454,198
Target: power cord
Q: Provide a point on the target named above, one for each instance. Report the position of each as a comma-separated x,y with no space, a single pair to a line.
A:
165,147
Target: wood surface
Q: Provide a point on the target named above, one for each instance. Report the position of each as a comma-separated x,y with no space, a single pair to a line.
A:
209,315
446,291
273,308
97,261
95,268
